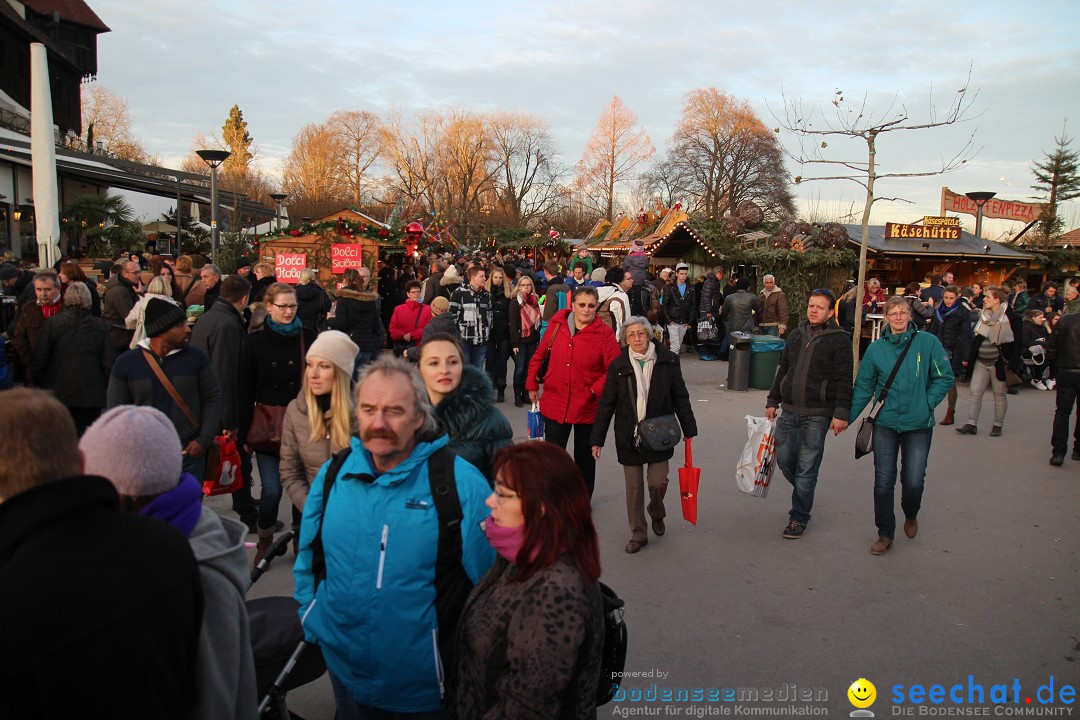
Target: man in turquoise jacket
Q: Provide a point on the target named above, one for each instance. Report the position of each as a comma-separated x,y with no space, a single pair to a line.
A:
374,614
905,424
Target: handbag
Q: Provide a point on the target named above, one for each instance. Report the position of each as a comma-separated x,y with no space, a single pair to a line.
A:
706,330
264,434
658,433
222,467
864,438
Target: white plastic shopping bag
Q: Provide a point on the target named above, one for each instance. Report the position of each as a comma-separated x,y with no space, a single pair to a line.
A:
755,468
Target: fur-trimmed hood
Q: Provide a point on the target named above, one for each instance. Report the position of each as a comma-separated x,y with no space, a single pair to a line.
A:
468,404
361,295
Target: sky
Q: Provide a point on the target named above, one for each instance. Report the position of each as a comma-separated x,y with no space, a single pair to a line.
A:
181,66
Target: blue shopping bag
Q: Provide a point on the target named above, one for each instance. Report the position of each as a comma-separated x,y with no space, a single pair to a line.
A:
536,423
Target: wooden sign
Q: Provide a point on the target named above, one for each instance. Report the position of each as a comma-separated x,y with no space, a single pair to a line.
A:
894,231
344,256
934,220
287,267
994,208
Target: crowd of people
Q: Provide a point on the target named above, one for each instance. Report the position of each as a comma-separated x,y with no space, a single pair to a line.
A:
431,551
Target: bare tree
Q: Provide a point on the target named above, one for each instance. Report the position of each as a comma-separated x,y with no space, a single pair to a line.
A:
665,181
310,173
813,131
466,166
360,135
615,149
526,173
723,154
108,114
409,153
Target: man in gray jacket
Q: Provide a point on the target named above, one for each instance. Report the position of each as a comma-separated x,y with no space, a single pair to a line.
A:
813,386
740,307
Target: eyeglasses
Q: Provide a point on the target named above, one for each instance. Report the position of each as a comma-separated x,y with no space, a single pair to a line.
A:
285,307
898,315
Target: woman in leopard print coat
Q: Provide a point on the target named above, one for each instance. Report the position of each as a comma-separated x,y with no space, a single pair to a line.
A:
530,636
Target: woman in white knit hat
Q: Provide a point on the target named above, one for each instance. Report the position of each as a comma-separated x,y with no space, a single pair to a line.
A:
320,419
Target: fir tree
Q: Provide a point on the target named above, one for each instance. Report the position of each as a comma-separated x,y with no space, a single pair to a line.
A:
235,134
1059,177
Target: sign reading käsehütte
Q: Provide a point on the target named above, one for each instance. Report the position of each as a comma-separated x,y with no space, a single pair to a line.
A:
895,231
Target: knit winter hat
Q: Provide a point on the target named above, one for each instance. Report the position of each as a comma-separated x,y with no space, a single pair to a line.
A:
451,273
136,448
599,275
441,304
637,246
335,346
161,316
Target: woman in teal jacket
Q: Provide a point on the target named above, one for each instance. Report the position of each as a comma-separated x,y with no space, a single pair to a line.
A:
905,424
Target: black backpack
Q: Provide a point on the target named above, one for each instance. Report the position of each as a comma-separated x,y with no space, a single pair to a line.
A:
452,583
613,655
642,299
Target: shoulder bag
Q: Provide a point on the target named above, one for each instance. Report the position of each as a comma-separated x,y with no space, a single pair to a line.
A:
541,373
864,439
655,434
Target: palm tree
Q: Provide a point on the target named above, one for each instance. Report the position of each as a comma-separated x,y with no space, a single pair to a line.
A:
97,219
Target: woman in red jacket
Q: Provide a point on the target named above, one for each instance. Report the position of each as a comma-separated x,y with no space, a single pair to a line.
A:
409,319
576,349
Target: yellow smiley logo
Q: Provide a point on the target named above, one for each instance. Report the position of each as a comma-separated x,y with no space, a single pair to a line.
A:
862,693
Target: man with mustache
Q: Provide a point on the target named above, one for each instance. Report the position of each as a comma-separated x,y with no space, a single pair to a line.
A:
367,579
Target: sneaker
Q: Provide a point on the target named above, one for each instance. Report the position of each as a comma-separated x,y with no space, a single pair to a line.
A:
881,546
1059,460
794,530
707,358
1050,384
1039,384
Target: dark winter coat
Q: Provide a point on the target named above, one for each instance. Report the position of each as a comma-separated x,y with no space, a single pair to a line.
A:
676,307
119,298
445,323
272,371
954,332
711,297
431,287
1034,335
577,370
120,626
500,314
1064,348
472,308
73,357
357,315
133,382
314,304
815,373
1041,301
258,288
514,318
220,333
529,648
477,429
30,322
667,395
739,310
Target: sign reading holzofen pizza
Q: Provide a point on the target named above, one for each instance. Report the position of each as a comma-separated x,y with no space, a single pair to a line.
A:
895,231
993,208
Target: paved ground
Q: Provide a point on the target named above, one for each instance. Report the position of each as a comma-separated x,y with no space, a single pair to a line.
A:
988,589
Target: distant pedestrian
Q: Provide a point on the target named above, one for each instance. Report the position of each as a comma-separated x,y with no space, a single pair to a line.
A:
470,304
356,313
990,360
644,381
741,308
1063,353
313,300
774,308
812,388
264,278
32,316
678,306
159,287
500,290
950,324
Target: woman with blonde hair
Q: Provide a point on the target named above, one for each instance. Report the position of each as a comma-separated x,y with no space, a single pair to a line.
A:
313,300
319,420
191,290
264,278
498,286
159,287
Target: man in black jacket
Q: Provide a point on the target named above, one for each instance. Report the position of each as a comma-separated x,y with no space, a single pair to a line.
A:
118,628
678,306
222,334
813,385
1064,353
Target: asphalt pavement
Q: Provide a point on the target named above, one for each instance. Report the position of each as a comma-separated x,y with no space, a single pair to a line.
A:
728,618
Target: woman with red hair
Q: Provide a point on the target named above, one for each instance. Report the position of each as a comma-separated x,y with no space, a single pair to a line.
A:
530,637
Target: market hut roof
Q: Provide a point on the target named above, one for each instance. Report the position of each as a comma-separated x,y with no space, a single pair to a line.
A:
968,246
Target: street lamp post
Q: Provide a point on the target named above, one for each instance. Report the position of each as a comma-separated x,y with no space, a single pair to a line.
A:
278,198
213,158
980,199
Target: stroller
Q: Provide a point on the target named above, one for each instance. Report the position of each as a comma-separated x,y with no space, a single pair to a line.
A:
283,659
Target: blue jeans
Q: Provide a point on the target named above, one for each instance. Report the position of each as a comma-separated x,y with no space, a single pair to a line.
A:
912,448
475,355
521,363
270,492
800,443
773,330
349,709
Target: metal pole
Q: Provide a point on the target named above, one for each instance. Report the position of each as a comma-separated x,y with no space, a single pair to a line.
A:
978,220
213,213
278,203
178,218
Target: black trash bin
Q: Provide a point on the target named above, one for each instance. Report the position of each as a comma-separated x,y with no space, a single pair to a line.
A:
738,372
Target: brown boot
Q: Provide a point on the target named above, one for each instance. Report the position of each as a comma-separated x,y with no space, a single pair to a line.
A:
266,539
949,418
